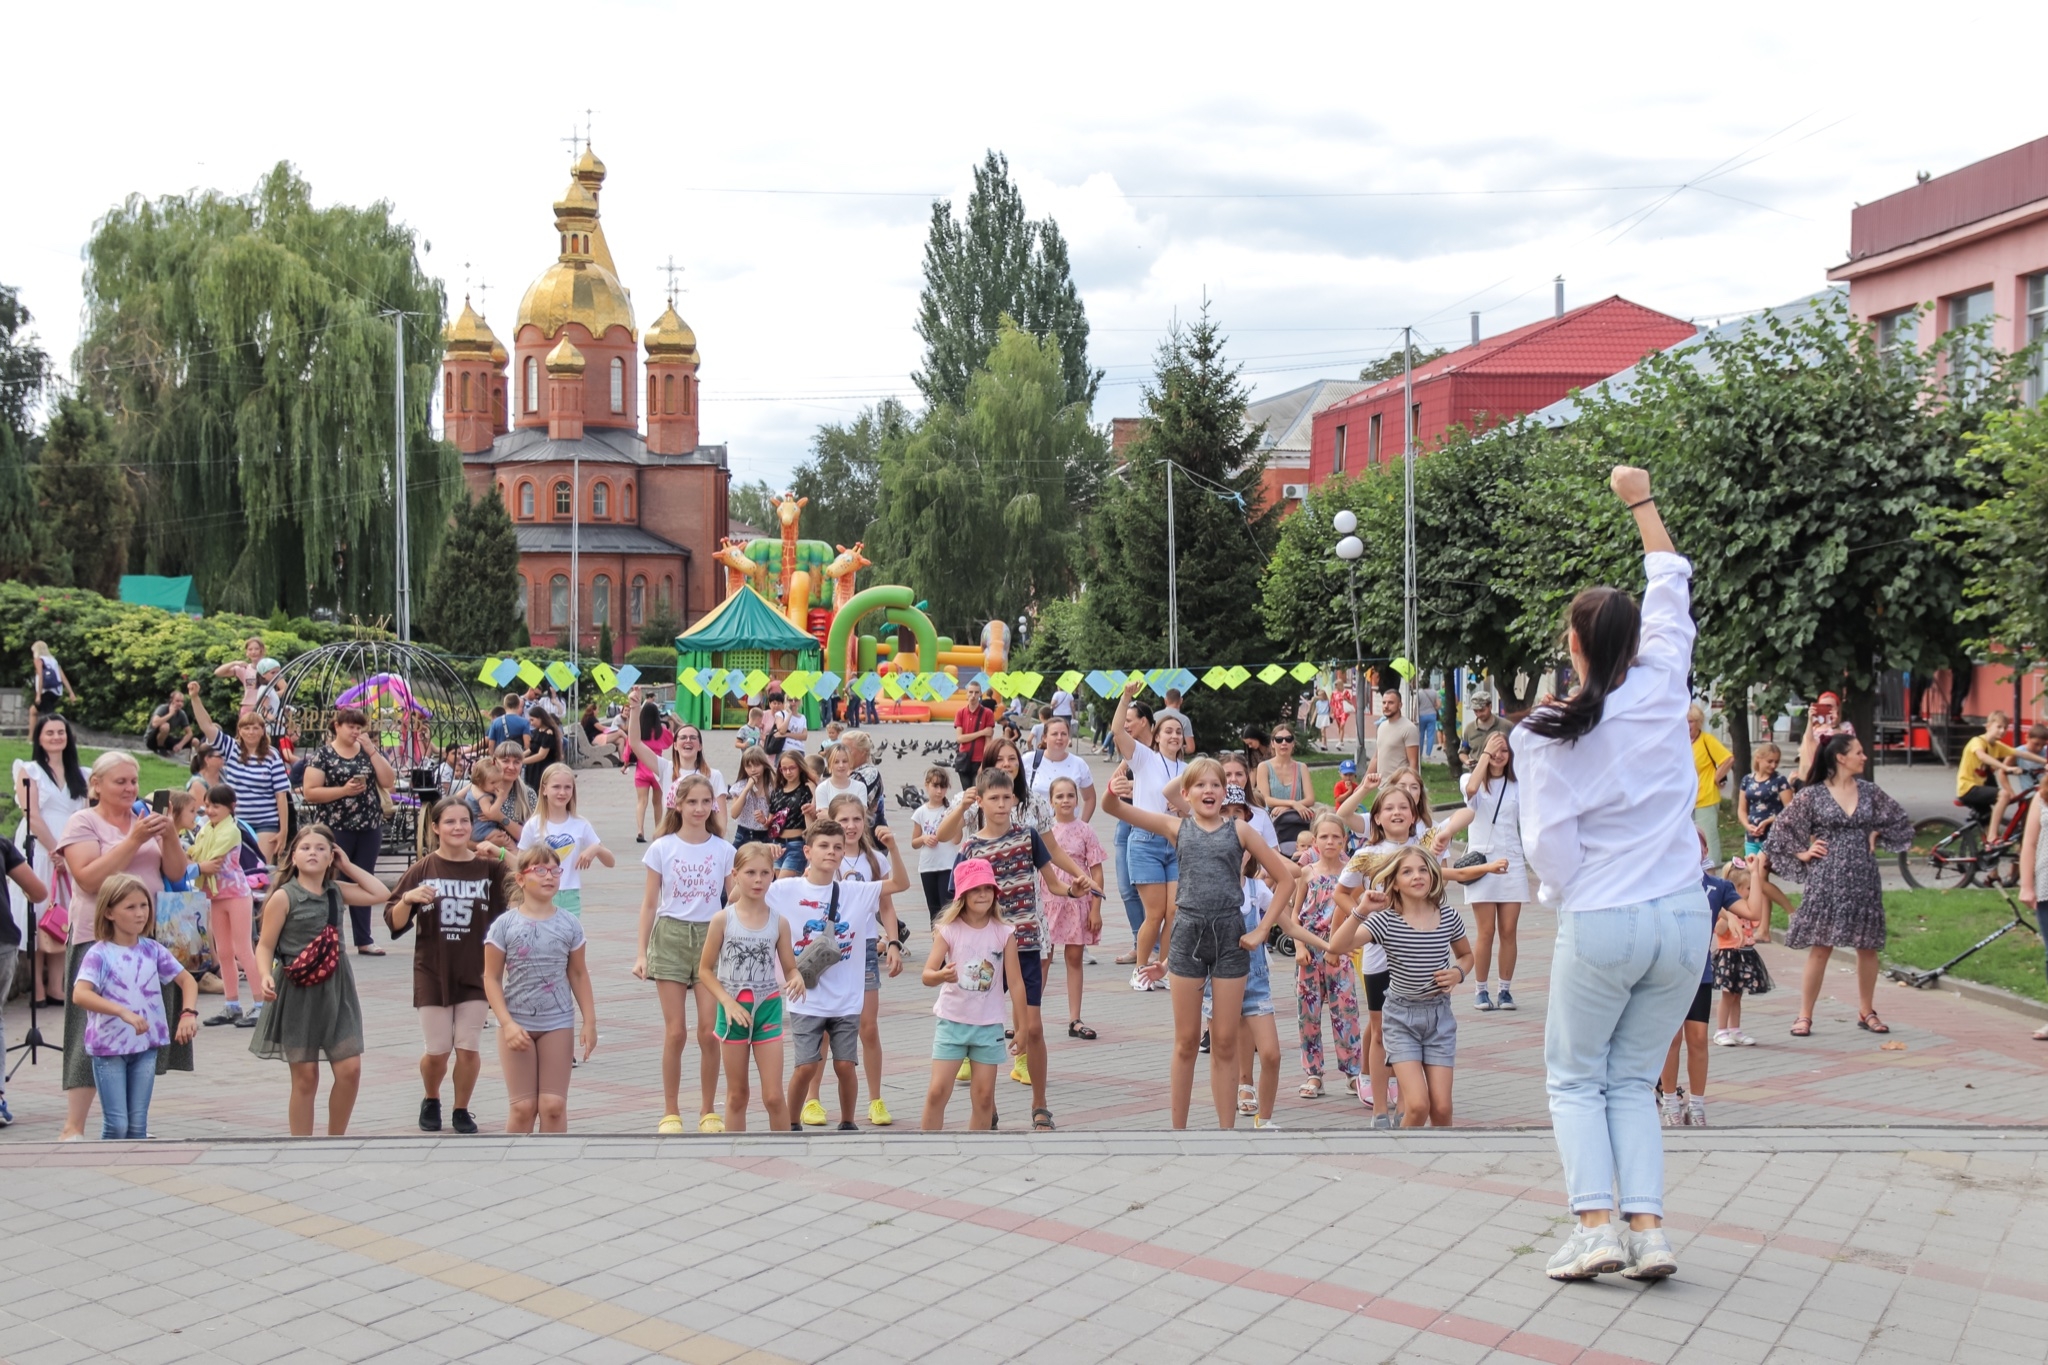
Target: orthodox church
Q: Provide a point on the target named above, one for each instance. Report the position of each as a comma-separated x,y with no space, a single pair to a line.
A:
562,442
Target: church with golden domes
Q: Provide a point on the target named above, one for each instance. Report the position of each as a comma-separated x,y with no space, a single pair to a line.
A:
568,442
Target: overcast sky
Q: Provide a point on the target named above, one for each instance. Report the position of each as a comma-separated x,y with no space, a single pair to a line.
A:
1324,174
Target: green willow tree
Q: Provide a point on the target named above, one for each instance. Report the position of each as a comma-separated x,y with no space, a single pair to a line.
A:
752,502
472,600
982,505
245,345
997,263
1223,533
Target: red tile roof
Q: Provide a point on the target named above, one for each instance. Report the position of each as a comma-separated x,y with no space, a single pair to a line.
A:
1600,338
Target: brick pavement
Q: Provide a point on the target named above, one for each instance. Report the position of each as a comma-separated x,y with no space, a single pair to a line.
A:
1963,1062
1870,1245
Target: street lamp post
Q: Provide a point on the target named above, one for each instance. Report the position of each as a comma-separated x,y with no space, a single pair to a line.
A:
1350,549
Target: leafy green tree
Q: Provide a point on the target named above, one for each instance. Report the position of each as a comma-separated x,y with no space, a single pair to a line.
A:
1303,597
1390,367
246,345
604,641
978,505
659,626
27,552
1223,532
752,502
2004,539
24,366
843,475
84,495
472,601
996,263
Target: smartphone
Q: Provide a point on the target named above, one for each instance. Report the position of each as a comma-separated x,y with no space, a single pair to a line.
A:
160,800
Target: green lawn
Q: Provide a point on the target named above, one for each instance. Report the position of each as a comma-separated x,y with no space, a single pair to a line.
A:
1927,928
155,773
1437,780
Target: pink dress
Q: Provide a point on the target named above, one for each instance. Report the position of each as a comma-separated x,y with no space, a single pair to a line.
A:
1066,917
644,776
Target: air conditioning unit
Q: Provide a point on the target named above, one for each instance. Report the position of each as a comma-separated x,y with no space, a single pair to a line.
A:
1294,491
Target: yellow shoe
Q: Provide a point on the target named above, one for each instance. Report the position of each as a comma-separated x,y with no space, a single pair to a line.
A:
711,1123
813,1114
966,1070
1019,1072
670,1126
878,1114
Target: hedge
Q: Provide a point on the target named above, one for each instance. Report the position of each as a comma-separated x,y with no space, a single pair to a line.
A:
124,659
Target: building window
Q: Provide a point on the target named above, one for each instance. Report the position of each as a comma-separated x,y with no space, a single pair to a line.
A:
2037,328
601,601
1372,440
498,402
688,385
558,601
629,501
662,597
465,391
1337,453
448,402
636,601
1896,333
526,501
525,599
1969,310
668,393
618,385
564,504
532,384
601,502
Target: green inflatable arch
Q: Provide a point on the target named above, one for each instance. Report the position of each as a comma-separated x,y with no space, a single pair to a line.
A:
899,605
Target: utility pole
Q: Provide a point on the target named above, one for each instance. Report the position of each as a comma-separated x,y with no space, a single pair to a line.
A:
575,569
1172,580
1408,513
404,566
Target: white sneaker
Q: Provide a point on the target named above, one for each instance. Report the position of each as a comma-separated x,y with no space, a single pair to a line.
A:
1649,1254
1265,1125
1589,1252
1743,1039
1139,983
1724,1037
1695,1112
1672,1111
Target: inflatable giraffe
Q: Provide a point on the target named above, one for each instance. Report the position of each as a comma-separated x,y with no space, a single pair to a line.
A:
849,562
739,568
787,508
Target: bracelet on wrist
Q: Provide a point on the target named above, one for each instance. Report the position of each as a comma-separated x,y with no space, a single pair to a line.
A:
1644,503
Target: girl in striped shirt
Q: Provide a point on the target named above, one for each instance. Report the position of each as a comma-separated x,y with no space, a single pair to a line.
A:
261,783
1428,956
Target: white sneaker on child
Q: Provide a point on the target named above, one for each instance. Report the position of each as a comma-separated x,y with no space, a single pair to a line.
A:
1743,1039
1724,1037
1672,1112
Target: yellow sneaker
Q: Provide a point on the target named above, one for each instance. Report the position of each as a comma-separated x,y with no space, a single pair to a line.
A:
671,1125
966,1070
1019,1072
813,1114
878,1114
711,1123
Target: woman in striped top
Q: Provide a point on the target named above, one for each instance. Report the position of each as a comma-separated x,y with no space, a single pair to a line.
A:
1428,956
251,767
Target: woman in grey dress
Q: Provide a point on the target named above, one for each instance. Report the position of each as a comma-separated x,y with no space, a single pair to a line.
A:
301,1024
1827,838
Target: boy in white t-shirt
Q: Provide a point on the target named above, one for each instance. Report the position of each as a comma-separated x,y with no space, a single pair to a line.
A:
817,904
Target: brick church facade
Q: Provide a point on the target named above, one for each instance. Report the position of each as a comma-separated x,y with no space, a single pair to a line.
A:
560,440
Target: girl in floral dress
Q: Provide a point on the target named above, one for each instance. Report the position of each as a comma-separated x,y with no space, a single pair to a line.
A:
1322,979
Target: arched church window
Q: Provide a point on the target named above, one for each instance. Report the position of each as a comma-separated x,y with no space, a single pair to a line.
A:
618,385
601,502
526,501
668,393
558,601
636,602
601,601
629,501
465,392
532,384
564,504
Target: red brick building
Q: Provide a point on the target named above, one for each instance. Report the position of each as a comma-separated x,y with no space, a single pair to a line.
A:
1490,381
560,441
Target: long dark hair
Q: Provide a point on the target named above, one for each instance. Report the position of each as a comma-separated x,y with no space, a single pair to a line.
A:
1609,628
650,721
73,778
1827,756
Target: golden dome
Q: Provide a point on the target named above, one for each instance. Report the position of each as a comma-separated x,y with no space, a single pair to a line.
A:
469,334
576,203
499,355
671,338
565,359
576,291
589,171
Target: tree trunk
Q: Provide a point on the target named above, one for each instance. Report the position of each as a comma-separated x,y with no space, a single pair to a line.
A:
1738,732
1859,708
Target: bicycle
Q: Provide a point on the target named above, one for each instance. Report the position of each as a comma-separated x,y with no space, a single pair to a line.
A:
1947,853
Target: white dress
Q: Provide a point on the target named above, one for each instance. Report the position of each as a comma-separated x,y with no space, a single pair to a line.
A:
1496,831
57,806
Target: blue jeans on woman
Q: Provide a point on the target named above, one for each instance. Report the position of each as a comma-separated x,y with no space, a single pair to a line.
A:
1134,908
125,1085
1621,980
363,847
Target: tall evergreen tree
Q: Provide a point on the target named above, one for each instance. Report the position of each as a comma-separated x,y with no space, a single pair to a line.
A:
84,495
472,600
27,552
1223,531
246,345
996,262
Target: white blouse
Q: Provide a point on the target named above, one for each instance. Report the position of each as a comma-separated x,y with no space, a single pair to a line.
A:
1607,818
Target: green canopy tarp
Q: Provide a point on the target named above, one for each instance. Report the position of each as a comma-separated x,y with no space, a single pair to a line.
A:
172,594
743,622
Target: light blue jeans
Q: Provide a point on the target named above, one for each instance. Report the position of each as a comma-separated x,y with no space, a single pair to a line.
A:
1134,908
1620,983
125,1085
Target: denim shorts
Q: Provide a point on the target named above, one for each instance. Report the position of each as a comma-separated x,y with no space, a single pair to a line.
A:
792,857
1152,859
1258,996
874,967
1750,848
1420,1030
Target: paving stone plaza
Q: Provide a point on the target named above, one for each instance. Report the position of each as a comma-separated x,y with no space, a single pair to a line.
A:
1848,1204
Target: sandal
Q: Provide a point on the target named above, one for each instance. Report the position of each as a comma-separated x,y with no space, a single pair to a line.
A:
1870,1023
1247,1100
1802,1027
1041,1121
1077,1029
368,951
1312,1088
